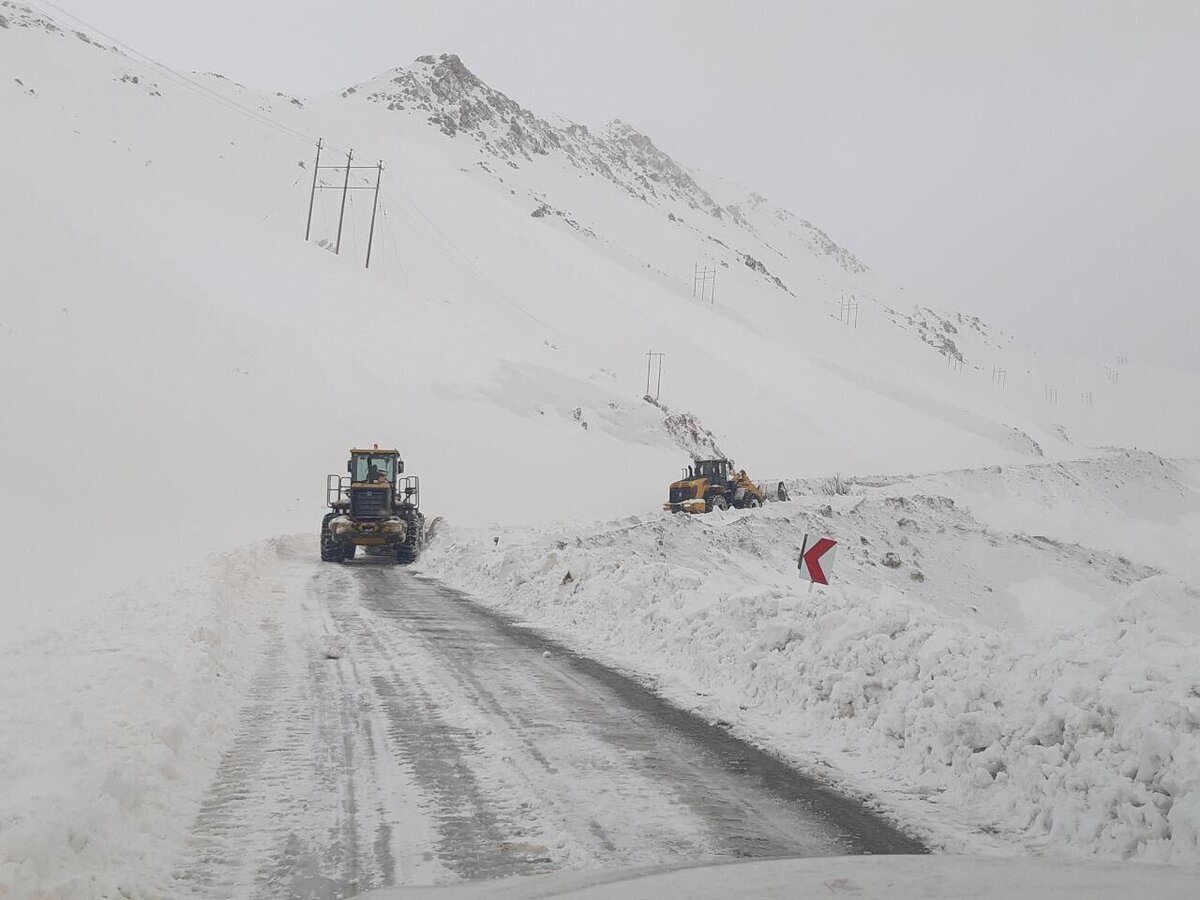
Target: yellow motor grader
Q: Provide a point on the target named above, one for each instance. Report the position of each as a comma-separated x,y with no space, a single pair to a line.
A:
709,484
374,506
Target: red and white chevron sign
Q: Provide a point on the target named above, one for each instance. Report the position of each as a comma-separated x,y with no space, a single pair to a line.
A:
816,562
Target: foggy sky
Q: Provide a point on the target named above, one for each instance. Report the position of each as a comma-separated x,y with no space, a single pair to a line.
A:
1035,163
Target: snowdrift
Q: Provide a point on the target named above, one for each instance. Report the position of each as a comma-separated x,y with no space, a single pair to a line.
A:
1043,692
114,724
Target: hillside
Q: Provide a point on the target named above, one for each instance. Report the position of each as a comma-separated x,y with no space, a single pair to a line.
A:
206,366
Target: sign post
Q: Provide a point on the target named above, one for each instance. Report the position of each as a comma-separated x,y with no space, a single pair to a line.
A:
816,562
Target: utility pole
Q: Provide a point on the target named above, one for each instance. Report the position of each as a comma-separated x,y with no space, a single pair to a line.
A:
313,193
848,310
374,208
345,187
704,283
337,247
650,357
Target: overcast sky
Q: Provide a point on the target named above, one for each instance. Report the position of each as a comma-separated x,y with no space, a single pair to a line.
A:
1037,163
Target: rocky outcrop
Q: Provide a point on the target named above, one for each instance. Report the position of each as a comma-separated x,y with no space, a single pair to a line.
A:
461,105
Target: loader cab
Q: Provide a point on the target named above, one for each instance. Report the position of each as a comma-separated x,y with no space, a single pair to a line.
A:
715,470
367,466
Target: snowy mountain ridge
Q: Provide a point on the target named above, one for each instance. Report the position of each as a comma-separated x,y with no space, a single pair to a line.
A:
458,103
18,16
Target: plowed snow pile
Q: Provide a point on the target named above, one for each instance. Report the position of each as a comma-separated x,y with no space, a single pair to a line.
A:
1044,692
112,726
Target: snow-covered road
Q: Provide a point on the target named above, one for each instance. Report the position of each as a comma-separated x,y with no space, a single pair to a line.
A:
398,733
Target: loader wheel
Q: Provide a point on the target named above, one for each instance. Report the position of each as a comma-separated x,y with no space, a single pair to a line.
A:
415,538
751,503
408,551
347,553
719,502
331,550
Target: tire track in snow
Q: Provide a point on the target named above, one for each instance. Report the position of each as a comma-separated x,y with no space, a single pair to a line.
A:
581,738
400,734
302,804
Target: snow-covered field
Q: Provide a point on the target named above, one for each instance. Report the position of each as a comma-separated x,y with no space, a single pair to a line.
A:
180,370
998,679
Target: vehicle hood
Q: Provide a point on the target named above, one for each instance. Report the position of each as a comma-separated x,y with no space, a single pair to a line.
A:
850,877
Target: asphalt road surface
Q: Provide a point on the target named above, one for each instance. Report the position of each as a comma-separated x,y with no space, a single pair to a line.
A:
398,733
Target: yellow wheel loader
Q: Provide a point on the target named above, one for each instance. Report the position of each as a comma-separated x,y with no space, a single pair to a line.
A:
374,506
709,484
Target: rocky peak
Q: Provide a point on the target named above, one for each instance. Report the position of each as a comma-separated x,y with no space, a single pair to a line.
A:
448,77
461,105
458,103
638,153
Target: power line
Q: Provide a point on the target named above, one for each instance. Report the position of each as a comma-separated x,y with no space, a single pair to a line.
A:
439,240
353,230
179,78
387,227
279,203
324,220
432,233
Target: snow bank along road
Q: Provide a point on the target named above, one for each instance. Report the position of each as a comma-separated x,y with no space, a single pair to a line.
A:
265,725
1027,675
398,733
1005,653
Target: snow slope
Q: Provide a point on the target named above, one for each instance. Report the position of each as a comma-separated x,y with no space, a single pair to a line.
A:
161,313
985,670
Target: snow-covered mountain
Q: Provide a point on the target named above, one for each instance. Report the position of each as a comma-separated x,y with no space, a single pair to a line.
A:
459,103
181,369
162,311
